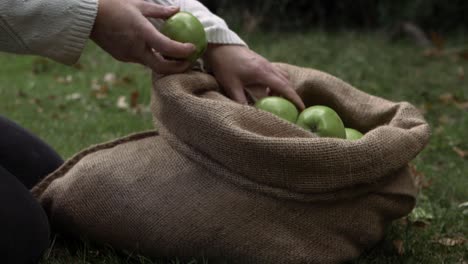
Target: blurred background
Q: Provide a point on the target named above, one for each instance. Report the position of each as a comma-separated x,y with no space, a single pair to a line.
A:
430,15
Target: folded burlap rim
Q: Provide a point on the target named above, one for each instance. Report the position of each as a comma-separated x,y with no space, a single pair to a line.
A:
199,121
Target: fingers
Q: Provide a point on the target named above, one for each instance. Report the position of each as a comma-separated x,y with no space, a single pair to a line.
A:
158,64
157,11
235,91
164,45
280,85
258,92
283,72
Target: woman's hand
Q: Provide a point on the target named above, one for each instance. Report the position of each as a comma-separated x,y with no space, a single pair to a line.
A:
237,68
123,30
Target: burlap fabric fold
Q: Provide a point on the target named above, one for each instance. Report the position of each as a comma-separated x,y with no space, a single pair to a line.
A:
229,182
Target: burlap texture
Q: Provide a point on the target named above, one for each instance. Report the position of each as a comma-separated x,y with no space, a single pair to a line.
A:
228,181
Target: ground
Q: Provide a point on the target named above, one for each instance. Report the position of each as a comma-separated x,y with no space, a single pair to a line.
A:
100,99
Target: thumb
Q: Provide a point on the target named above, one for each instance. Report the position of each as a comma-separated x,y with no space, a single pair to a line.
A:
157,11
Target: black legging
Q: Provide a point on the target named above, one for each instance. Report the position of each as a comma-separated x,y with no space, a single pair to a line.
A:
24,160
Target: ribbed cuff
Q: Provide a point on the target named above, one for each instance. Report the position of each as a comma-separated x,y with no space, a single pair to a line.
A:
223,36
80,30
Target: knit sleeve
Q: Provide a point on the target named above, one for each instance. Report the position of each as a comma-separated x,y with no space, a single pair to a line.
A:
56,29
217,31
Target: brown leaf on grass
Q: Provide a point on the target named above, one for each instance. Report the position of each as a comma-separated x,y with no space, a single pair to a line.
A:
399,246
51,97
451,241
419,178
447,98
78,66
64,79
127,79
432,53
73,97
35,101
463,54
99,91
439,130
437,40
462,153
445,119
134,99
461,73
462,105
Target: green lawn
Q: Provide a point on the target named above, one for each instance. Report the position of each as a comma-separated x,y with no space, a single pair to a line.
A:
59,104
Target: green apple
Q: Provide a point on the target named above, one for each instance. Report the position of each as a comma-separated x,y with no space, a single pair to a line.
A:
352,134
278,106
323,121
186,28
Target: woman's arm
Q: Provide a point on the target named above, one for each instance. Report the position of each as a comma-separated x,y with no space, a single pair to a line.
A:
59,29
56,29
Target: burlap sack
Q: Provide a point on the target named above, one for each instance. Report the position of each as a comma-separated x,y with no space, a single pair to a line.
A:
228,181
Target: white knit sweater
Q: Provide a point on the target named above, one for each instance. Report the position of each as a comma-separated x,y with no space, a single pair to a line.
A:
59,29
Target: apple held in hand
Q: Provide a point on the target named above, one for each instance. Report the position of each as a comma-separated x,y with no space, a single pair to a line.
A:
353,134
323,121
185,27
278,106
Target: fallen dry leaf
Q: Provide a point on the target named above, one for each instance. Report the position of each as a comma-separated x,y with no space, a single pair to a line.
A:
78,66
461,73
462,105
110,78
463,54
447,98
64,79
73,97
439,130
419,178
35,101
432,53
462,153
451,241
399,246
445,119
437,40
99,91
122,102
127,79
134,99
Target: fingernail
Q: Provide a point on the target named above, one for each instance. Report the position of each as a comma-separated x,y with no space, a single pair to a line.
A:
173,8
192,47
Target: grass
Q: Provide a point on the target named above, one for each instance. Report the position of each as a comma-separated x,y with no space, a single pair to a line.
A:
34,93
